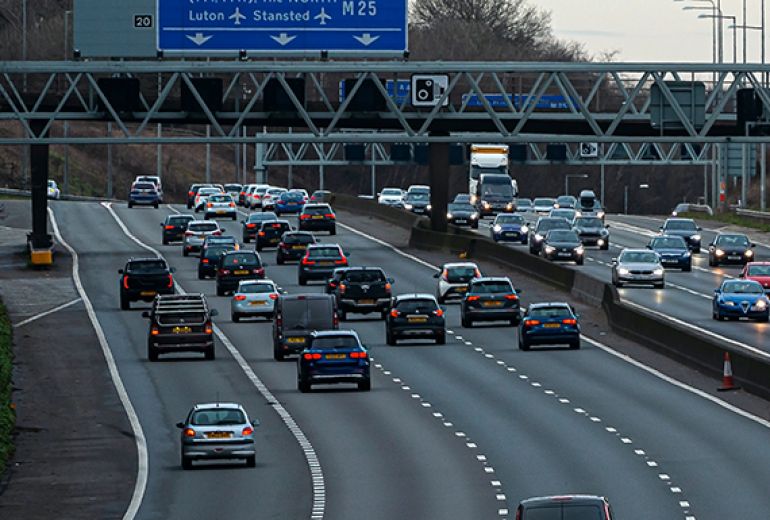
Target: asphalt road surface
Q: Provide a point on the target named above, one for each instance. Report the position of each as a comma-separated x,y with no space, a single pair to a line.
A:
459,431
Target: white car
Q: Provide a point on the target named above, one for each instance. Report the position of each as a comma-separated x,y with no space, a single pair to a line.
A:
454,278
254,298
255,200
203,195
391,196
220,205
196,233
270,196
418,188
53,190
302,192
234,190
638,266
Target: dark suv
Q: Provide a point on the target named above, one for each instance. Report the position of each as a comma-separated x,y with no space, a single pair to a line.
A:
685,228
253,222
415,316
235,266
318,217
565,507
296,317
293,246
320,261
143,279
490,299
174,227
543,226
180,323
363,290
270,233
209,259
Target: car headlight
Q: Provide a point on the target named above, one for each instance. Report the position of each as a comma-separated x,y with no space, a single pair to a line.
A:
729,304
761,305
579,250
719,252
497,228
600,214
524,229
509,206
474,215
549,249
658,272
408,206
538,237
579,214
474,199
486,205
556,206
623,271
448,215
749,252
429,207
686,254
696,238
600,242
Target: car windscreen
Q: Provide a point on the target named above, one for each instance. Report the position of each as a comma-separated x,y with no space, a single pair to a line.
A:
292,197
179,221
591,222
759,270
564,213
224,239
181,318
203,226
391,192
240,259
317,210
327,343
275,192
423,306
562,235
555,223
742,287
550,312
524,203
491,286
565,201
208,191
232,187
147,267
462,207
559,512
299,239
460,274
639,257
144,186
684,225
417,197
256,288
217,251
500,190
509,219
732,241
419,191
217,417
308,314
259,217
543,202
324,252
220,198
371,276
669,243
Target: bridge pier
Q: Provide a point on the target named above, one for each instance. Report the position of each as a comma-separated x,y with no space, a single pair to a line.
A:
439,184
39,241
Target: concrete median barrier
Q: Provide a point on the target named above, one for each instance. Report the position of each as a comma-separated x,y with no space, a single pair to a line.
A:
370,208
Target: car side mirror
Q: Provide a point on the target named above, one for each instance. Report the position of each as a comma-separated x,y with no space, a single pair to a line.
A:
391,281
614,260
120,271
161,224
172,269
607,226
347,253
214,312
443,308
518,291
648,246
265,264
255,423
753,245
145,314
716,291
180,425
435,275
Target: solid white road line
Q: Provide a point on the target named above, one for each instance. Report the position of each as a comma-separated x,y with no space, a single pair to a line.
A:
316,474
141,442
46,313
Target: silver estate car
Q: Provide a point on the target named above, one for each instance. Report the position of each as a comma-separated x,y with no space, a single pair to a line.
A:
217,431
254,298
638,266
196,234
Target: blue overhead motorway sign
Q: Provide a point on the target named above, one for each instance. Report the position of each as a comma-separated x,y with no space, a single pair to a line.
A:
284,27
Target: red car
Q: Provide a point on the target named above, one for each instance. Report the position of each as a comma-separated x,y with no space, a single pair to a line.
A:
759,272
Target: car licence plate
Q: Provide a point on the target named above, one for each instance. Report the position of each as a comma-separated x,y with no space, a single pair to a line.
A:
564,253
492,304
221,212
336,356
367,302
295,340
734,257
417,319
148,293
218,435
298,247
182,330
257,303
325,263
317,217
241,271
462,289
552,325
461,221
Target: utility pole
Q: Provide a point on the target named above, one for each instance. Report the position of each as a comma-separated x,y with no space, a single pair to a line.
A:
208,154
109,162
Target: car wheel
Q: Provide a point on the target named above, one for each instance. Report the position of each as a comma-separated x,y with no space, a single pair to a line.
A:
152,352
384,315
234,217
515,322
524,242
365,385
605,247
389,339
258,247
246,239
189,206
235,317
278,213
523,345
764,319
579,262
466,323
125,303
661,285
201,275
155,205
687,268
343,315
715,315
441,300
220,291
279,260
441,339
251,461
209,354
303,386
712,263
164,241
277,354
475,226
333,231
185,252
575,345
302,281
697,250
186,463
532,251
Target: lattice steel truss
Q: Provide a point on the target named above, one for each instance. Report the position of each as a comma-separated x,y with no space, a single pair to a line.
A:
603,103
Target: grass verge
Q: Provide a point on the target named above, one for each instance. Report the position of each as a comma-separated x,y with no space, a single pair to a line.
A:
729,218
7,413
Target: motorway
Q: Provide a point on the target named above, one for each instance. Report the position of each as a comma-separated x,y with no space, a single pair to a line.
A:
455,432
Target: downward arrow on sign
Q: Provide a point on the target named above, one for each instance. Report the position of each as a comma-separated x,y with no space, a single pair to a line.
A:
366,39
199,39
283,38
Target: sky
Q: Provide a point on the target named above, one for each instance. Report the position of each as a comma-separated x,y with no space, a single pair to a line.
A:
652,30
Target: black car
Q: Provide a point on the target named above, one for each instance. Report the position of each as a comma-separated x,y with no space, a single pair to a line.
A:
543,226
180,323
417,203
334,280
673,252
592,232
209,259
320,261
463,198
252,223
142,279
565,507
490,299
293,246
362,290
334,357
462,214
219,240
415,316
685,228
730,248
296,317
318,217
235,266
174,227
563,244
270,233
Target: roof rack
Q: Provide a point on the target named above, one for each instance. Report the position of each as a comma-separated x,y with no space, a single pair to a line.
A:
192,303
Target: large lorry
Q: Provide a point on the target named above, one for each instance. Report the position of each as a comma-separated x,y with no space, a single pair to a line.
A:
488,175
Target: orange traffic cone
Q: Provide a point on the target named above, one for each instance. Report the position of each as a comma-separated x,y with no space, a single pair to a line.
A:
727,376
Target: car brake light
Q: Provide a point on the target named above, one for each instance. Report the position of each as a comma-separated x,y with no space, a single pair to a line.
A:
306,261
170,281
247,431
205,261
251,226
256,196
358,355
511,297
232,204
273,296
343,288
217,233
304,217
569,321
239,297
311,355
210,205
190,193
261,233
125,282
189,432
224,271
387,287
439,312
169,227
336,320
531,323
476,273
154,330
261,270
473,298
209,329
329,215
394,313
188,233
444,275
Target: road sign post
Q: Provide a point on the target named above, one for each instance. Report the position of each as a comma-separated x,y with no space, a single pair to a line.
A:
301,28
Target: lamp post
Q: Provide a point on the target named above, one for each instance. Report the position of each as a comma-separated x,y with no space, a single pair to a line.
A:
734,26
716,35
574,176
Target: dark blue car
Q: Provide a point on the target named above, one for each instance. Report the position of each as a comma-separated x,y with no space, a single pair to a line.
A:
333,356
737,299
549,324
289,202
509,228
673,251
143,194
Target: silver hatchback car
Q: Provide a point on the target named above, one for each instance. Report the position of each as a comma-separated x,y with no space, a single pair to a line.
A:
218,431
254,298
